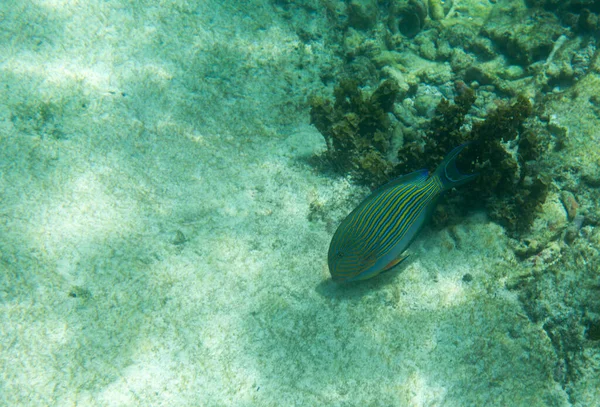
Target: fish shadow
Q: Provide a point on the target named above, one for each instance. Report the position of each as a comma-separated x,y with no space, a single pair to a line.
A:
357,289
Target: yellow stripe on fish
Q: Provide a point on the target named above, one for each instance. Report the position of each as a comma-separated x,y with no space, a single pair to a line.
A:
374,236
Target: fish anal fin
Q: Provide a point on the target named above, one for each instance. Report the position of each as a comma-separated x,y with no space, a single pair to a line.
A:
395,262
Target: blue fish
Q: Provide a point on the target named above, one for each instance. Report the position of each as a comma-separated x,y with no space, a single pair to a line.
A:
374,236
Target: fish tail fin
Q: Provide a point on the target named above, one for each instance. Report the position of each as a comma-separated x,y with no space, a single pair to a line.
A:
447,172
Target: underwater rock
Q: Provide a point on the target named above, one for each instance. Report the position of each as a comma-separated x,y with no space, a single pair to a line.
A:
407,18
387,58
591,176
483,48
427,47
460,61
547,229
356,44
362,67
362,14
560,289
512,72
479,74
580,15
587,21
569,61
179,238
436,75
570,203
436,10
531,40
426,103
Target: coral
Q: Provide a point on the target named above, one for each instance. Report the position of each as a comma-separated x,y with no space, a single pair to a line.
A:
580,15
436,10
407,18
362,14
357,129
442,135
525,43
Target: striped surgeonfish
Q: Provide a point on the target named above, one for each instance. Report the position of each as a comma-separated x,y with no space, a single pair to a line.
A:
374,236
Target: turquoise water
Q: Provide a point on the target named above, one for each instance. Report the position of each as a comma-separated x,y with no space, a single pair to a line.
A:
167,202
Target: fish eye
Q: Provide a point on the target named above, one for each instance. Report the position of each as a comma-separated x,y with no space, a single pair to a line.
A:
339,254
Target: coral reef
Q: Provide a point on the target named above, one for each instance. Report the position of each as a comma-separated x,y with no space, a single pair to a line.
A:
579,15
520,80
559,289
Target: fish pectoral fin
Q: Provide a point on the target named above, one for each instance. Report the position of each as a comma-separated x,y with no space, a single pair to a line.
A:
368,261
395,262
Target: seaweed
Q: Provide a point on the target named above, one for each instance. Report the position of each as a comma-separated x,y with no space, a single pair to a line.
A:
510,183
443,133
357,129
510,189
504,150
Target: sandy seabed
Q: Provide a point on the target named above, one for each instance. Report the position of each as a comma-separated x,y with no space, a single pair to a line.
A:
156,169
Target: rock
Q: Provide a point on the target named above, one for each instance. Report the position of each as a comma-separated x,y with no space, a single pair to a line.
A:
570,204
362,14
407,18
436,10
527,42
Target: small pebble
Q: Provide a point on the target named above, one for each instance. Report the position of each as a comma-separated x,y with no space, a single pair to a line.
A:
179,238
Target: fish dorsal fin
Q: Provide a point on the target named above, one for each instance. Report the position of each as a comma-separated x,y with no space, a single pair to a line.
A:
414,177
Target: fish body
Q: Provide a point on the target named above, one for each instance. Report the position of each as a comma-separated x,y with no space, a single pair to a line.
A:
374,236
